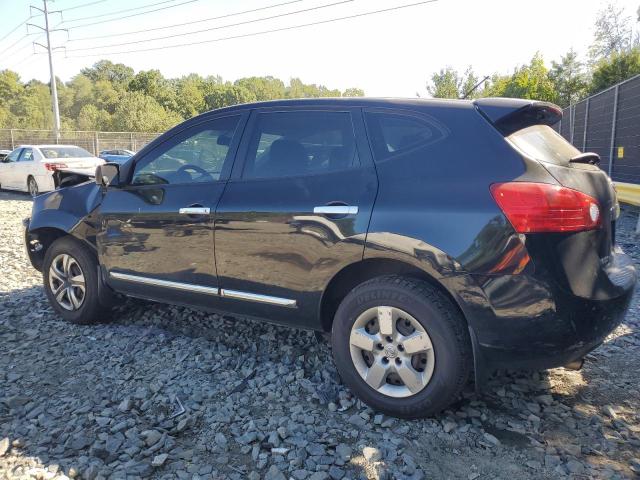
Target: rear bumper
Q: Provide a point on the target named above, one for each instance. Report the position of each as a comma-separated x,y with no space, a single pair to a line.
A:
527,322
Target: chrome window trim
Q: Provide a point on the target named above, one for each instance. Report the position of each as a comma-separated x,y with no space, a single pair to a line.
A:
188,287
255,297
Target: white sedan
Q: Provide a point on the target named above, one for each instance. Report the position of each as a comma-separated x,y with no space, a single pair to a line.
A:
30,168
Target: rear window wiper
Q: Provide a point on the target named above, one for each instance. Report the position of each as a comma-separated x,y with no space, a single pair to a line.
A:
587,157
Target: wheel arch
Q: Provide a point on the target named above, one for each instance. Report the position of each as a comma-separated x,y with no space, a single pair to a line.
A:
359,272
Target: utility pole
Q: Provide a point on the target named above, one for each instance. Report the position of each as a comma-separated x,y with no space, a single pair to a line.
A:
54,88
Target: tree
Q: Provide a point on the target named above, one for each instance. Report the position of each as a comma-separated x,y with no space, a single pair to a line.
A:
92,118
226,95
613,33
117,73
615,69
263,88
353,92
531,81
569,79
448,83
138,112
190,96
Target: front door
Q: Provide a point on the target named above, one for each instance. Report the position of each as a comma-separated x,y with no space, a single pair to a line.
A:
295,211
7,170
156,231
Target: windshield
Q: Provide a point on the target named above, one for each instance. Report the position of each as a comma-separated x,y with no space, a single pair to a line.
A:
64,152
543,143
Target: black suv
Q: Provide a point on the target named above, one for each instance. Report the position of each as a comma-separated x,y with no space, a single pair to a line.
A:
432,238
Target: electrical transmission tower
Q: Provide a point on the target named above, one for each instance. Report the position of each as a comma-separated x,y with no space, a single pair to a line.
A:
54,89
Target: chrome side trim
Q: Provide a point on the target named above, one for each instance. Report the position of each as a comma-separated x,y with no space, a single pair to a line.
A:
188,287
336,210
194,211
254,297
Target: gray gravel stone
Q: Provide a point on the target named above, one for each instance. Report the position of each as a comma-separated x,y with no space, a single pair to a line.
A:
254,400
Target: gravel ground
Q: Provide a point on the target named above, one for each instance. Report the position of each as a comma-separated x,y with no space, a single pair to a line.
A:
167,392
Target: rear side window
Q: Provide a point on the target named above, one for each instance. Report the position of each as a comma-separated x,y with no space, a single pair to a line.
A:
542,143
400,134
287,144
27,155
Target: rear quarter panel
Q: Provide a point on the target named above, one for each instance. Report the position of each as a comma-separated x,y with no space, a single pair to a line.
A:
437,197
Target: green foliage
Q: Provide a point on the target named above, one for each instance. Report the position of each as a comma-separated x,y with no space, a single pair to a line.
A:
111,96
531,81
613,33
569,79
615,69
139,112
448,83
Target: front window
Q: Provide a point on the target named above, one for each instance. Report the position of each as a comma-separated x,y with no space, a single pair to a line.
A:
64,152
197,158
542,143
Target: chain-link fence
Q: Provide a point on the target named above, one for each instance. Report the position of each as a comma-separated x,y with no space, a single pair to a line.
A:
608,124
93,142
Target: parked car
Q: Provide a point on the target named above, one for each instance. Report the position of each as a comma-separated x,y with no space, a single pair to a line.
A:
30,168
117,156
3,154
434,239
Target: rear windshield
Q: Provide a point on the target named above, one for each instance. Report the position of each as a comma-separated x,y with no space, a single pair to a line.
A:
542,143
64,152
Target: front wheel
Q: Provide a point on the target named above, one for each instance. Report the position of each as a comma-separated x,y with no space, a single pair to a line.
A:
70,275
401,346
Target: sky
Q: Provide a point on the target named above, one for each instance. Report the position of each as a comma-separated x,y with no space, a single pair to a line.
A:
392,53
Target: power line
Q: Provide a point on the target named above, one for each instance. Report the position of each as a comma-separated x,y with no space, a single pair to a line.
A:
14,44
195,32
264,32
185,23
15,28
126,16
82,6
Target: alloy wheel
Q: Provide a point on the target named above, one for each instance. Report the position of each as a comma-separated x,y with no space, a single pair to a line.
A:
392,351
33,187
67,282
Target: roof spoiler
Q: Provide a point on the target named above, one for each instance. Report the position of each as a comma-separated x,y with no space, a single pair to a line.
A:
509,115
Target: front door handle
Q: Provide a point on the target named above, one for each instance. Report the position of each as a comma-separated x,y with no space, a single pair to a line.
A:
195,211
336,210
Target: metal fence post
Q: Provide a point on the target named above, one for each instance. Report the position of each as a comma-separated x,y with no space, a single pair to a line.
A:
613,129
586,122
131,142
96,145
12,143
572,120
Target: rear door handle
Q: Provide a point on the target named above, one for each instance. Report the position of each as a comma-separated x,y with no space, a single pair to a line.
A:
336,210
194,211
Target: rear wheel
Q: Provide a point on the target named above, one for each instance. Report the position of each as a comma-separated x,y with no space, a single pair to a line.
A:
401,346
32,187
71,282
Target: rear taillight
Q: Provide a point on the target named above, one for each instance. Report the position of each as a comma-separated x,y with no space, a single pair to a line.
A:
540,207
52,167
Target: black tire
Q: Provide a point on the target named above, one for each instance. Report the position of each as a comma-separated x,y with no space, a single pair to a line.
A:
32,190
91,311
444,325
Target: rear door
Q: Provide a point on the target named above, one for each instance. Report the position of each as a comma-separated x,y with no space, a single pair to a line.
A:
295,211
156,231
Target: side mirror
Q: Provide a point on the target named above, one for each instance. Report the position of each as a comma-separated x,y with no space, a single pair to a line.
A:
107,174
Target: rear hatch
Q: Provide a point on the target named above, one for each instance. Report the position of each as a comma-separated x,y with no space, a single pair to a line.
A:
542,143
583,261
